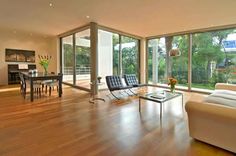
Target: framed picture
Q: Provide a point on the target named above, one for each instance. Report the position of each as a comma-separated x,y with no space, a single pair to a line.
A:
17,55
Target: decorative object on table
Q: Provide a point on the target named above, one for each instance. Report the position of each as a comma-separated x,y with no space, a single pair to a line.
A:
33,71
172,82
99,79
174,52
44,61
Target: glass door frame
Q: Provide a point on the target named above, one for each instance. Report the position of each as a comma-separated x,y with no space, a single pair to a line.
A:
73,34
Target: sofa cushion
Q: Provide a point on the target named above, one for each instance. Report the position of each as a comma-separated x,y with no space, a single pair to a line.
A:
223,97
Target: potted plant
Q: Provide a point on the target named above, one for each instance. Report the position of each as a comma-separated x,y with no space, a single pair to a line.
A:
99,79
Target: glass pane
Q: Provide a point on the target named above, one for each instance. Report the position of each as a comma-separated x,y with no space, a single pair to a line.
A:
116,50
82,58
161,65
67,59
213,58
130,55
179,64
157,61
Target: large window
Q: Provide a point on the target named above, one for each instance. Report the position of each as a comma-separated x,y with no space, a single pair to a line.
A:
179,64
162,65
213,59
157,61
130,55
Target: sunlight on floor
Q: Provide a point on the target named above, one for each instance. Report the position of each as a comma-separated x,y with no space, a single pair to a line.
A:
9,89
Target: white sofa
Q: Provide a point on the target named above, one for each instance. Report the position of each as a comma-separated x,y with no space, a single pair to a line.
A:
214,123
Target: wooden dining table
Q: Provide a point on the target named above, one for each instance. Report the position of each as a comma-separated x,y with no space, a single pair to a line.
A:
40,76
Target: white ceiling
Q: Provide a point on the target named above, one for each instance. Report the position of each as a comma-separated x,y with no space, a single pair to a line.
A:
139,17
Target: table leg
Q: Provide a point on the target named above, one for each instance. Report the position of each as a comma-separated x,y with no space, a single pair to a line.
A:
139,103
60,86
31,90
161,110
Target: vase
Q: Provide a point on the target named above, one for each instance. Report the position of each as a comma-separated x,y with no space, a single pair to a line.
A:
172,88
45,71
99,80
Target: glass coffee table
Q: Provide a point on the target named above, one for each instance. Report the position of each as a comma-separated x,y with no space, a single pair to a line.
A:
160,97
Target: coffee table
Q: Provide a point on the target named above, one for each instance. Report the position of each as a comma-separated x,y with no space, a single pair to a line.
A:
160,97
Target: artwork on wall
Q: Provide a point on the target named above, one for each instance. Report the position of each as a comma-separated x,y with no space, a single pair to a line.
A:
17,55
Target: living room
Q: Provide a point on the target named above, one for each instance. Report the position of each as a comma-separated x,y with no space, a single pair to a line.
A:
117,77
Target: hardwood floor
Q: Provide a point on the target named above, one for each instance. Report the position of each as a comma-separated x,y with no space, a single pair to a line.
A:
72,126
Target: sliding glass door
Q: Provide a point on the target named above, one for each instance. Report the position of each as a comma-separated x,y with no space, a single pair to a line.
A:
67,59
76,59
82,58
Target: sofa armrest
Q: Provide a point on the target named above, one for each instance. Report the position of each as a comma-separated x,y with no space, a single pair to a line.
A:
210,110
225,86
212,123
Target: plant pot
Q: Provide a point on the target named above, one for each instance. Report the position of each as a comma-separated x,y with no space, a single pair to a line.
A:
99,80
172,88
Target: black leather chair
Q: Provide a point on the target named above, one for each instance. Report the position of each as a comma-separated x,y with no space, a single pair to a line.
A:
131,81
114,83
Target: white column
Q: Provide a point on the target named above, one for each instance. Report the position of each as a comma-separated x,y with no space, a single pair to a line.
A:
94,53
143,64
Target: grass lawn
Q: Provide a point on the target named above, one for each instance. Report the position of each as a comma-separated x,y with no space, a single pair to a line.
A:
197,85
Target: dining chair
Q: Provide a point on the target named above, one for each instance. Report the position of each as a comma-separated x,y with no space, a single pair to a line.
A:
24,85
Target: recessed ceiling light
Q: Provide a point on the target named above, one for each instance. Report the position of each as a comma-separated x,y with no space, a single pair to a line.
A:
87,16
50,4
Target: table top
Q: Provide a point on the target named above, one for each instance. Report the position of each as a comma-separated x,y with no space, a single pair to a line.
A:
160,96
39,75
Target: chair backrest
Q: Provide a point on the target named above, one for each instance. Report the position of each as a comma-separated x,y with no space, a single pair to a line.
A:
22,80
130,79
114,82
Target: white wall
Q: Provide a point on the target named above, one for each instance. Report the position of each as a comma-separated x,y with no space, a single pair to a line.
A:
105,55
23,40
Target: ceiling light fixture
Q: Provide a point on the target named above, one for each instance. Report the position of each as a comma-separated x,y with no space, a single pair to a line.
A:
174,52
50,4
87,16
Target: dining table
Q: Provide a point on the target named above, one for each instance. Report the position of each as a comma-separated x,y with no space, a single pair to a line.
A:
41,76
